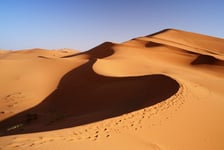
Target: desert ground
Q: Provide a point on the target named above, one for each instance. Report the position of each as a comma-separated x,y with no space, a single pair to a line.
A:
163,91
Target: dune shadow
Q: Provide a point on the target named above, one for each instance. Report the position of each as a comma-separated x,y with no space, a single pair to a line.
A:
152,44
84,96
162,31
205,59
97,52
43,57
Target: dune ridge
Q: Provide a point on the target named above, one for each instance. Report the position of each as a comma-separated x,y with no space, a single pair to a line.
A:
101,97
160,91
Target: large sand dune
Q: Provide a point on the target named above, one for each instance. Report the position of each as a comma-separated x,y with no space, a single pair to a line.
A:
161,91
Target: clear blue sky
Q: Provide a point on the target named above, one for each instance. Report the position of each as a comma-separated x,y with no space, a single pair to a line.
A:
83,24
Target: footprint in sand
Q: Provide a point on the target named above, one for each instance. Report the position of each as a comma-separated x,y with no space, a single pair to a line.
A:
131,121
2,112
31,145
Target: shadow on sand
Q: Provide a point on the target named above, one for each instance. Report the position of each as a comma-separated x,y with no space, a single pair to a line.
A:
84,96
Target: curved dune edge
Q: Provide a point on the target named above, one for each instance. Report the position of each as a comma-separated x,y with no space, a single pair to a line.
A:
104,97
189,116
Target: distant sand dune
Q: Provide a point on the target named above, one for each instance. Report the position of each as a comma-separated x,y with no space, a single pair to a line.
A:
100,51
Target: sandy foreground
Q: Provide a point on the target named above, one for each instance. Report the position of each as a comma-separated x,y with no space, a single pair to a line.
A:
164,91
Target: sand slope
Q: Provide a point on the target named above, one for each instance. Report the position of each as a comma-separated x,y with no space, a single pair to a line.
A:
162,91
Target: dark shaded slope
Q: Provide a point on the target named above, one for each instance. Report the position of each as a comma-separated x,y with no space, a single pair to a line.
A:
84,97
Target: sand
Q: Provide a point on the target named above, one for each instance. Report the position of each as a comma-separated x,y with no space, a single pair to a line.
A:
163,91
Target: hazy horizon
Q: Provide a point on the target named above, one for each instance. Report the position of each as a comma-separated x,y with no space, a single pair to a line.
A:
83,24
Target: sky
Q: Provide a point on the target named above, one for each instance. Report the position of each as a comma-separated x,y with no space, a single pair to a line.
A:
84,24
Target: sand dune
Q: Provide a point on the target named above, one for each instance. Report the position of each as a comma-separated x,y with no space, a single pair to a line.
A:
161,91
